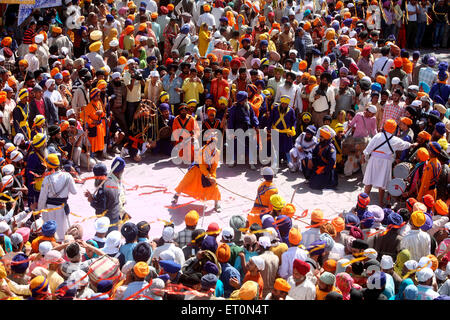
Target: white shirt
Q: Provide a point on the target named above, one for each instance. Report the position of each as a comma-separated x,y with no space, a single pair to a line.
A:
217,13
54,96
321,104
179,255
208,18
309,236
378,66
287,260
305,291
418,243
294,93
396,143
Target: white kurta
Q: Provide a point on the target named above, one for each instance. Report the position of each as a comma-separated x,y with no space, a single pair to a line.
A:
307,147
56,185
305,291
379,168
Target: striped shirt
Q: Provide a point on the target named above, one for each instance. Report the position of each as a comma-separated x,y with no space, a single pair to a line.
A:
28,36
392,111
427,75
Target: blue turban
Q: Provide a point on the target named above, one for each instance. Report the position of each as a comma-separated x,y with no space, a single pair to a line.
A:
442,75
387,212
209,281
317,248
416,54
129,231
209,243
100,169
260,82
227,57
332,56
66,291
443,65
367,220
17,266
411,292
164,106
151,58
264,42
428,223
328,19
209,96
351,219
335,26
121,165
164,277
185,28
306,13
348,22
284,19
104,286
49,228
316,51
376,87
311,129
440,128
128,22
8,244
109,17
394,218
284,224
170,266
223,19
241,96
434,147
210,267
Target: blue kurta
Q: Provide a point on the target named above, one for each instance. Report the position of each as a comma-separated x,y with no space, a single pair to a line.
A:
286,141
324,157
35,165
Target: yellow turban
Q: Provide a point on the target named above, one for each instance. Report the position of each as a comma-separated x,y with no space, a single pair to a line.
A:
95,46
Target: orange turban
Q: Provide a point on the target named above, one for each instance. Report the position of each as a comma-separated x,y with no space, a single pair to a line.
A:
170,7
23,62
441,207
339,5
302,65
330,265
57,30
288,210
54,71
390,126
33,48
282,285
347,15
154,15
129,29
212,57
325,134
317,214
122,60
101,84
223,253
64,125
423,154
11,81
6,42
295,236
424,135
381,79
199,68
406,121
434,262
338,223
2,96
65,73
421,94
307,25
131,17
142,26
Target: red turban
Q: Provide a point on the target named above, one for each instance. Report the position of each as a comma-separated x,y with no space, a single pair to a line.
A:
301,266
320,68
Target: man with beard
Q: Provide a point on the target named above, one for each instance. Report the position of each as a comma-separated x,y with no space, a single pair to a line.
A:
394,110
345,96
280,290
337,143
185,132
107,196
81,91
247,52
117,92
283,119
242,81
321,172
243,117
277,79
322,99
291,90
35,168
20,114
235,64
302,151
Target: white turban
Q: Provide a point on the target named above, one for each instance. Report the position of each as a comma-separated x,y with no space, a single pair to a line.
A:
167,255
8,170
387,262
7,181
70,112
102,224
259,262
425,274
154,74
49,82
39,38
18,139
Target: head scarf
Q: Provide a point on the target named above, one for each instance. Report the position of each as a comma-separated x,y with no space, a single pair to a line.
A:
401,289
345,283
402,257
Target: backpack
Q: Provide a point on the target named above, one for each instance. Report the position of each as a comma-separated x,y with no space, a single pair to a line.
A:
104,268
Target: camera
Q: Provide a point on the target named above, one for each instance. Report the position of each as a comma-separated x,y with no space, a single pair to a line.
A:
138,76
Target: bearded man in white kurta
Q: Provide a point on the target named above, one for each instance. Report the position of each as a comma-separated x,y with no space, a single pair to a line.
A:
381,149
55,193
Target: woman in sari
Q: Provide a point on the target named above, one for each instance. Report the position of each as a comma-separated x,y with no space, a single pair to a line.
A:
170,33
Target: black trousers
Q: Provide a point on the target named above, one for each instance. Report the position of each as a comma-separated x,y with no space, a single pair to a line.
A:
411,32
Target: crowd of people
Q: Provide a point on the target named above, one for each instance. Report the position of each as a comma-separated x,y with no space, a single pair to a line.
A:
342,83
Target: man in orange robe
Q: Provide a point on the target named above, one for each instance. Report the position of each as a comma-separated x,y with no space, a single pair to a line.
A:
431,172
191,131
92,116
200,180
262,202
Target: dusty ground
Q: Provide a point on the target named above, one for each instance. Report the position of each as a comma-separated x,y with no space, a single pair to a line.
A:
159,171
